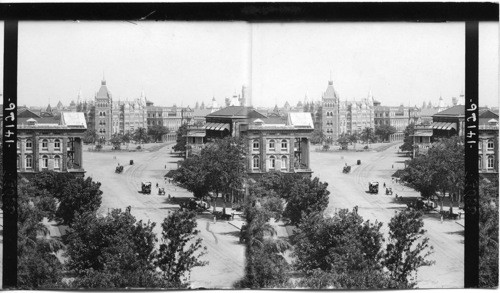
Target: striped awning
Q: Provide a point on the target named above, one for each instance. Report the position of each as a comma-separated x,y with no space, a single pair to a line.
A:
444,126
217,126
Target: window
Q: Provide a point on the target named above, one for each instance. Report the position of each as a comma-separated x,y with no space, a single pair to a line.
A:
284,145
57,144
480,145
18,162
45,162
491,161
57,162
284,162
272,162
18,144
29,144
255,145
490,144
271,145
45,144
29,162
480,163
255,163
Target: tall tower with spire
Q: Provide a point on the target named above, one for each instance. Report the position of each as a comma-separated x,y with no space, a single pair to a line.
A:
330,112
103,112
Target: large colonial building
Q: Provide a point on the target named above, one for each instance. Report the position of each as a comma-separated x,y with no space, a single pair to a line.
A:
274,143
344,117
108,117
281,146
45,143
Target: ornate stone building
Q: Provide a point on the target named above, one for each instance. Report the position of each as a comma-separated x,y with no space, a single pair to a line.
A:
344,117
47,144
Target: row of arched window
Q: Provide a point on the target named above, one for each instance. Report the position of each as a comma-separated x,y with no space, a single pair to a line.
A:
101,104
326,105
490,144
271,144
491,162
101,113
45,144
28,162
272,162
329,113
329,130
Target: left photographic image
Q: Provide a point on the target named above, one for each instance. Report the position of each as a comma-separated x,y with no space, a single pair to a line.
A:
104,110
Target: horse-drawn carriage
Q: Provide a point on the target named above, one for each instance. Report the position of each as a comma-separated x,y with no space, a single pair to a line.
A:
346,169
119,169
161,191
388,191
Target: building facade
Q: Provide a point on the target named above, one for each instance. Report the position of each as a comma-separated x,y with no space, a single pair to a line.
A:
345,117
280,147
45,144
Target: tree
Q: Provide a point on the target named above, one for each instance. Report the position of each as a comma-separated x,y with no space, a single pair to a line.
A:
114,251
157,132
302,195
179,250
367,135
90,136
407,248
265,265
317,136
101,141
384,131
38,267
488,234
116,140
341,244
343,140
224,163
141,135
192,176
306,197
79,196
181,141
441,169
408,139
419,174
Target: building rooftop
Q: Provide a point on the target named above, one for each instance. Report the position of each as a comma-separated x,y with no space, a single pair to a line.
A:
455,111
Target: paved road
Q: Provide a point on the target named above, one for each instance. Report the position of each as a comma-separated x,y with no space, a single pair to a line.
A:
224,253
349,190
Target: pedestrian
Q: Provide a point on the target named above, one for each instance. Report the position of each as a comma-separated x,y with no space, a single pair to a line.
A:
441,218
215,219
232,216
392,166
165,166
156,184
384,184
396,196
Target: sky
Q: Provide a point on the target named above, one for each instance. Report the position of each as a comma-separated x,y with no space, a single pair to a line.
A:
185,62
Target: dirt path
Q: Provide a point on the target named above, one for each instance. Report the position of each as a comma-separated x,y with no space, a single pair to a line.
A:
224,253
349,190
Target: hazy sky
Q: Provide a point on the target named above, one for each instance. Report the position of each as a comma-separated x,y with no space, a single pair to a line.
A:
185,62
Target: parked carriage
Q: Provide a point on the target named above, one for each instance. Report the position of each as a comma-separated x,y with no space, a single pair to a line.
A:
346,169
373,187
146,187
119,169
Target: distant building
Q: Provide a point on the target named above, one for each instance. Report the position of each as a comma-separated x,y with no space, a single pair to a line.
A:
47,144
397,117
345,117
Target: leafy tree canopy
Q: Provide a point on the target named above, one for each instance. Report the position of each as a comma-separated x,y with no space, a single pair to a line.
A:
384,131
181,141
157,132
